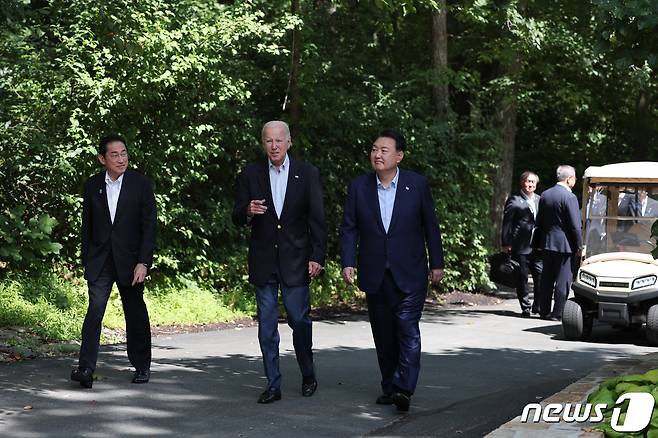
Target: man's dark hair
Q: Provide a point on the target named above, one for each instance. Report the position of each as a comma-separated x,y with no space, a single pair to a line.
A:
110,138
400,142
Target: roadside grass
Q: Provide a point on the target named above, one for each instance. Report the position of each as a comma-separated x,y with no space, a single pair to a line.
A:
54,308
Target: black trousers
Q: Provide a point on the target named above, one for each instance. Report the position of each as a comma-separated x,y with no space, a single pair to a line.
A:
138,328
528,264
555,282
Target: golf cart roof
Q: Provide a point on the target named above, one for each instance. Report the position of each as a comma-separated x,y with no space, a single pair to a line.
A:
638,171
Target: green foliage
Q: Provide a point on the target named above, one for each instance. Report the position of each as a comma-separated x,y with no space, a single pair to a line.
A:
610,390
23,243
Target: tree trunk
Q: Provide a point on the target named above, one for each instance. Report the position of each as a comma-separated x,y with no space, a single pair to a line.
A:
505,120
294,105
643,126
440,91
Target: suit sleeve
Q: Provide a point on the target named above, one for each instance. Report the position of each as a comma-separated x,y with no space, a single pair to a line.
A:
349,230
149,223
574,222
507,233
316,220
431,226
239,214
86,224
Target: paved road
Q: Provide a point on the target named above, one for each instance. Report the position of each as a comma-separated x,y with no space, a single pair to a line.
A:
481,365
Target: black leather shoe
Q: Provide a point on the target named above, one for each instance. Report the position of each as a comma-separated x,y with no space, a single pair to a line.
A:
385,399
85,376
401,401
269,396
525,314
308,389
142,376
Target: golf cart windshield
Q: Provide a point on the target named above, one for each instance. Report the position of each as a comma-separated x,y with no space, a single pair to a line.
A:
619,217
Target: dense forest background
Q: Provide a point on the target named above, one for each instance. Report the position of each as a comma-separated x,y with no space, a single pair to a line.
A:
482,89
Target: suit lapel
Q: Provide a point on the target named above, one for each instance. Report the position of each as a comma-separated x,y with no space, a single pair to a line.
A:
373,200
265,187
102,193
292,185
400,192
125,186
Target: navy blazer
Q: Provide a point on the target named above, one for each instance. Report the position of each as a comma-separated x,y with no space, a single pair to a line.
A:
518,224
558,226
413,225
131,238
283,245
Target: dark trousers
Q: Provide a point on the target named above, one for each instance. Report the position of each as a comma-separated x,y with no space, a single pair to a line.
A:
528,264
394,318
138,328
555,282
296,301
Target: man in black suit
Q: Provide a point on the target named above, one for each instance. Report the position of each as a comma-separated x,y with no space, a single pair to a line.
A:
389,216
518,227
638,204
280,199
118,239
558,235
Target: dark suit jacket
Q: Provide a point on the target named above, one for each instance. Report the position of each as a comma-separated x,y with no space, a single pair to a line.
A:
413,225
558,226
630,206
286,245
131,237
518,223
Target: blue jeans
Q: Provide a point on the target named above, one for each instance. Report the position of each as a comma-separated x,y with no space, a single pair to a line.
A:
296,301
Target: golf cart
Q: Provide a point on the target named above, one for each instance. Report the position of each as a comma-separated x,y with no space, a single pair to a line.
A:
617,279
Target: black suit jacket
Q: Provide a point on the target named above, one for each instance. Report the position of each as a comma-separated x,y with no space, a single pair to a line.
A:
558,225
518,223
131,238
285,245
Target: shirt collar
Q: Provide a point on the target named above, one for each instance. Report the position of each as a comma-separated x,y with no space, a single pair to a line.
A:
108,180
528,197
284,166
394,181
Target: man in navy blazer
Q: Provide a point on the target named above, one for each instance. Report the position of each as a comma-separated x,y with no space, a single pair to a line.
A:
518,228
389,215
118,239
558,235
280,200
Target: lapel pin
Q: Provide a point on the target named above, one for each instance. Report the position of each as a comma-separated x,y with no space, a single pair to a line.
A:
296,176
406,187
100,191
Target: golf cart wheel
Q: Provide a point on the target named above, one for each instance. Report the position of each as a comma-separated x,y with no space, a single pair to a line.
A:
576,325
652,325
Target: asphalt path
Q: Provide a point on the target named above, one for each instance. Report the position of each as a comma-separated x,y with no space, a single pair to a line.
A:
480,366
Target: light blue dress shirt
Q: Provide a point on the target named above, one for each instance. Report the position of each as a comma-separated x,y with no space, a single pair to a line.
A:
387,199
279,184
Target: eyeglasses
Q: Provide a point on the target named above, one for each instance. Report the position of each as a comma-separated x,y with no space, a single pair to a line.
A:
116,155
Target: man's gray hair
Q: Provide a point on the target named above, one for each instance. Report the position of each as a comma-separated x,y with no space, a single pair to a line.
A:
275,124
565,171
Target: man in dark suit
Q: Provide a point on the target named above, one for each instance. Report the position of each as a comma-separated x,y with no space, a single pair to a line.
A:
280,199
558,235
389,215
638,204
518,227
118,239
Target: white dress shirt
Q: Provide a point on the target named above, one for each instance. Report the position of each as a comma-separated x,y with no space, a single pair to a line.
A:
113,189
279,184
387,199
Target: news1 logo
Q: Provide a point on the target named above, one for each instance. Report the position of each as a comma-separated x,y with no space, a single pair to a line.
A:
638,413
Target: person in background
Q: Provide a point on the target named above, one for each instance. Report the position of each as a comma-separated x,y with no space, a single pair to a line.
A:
518,228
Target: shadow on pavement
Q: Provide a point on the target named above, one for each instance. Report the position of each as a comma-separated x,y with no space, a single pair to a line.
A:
464,392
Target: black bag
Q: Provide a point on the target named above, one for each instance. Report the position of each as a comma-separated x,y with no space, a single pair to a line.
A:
503,270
